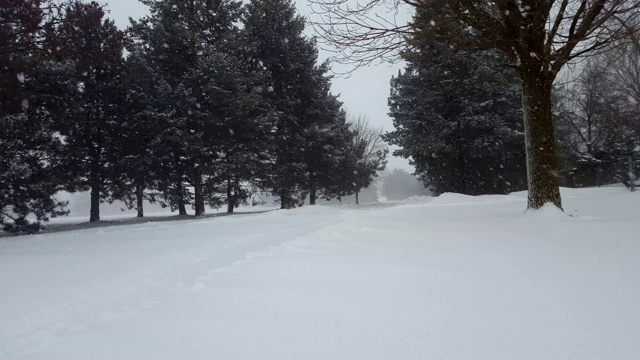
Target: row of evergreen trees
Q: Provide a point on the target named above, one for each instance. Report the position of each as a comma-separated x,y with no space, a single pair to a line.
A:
194,105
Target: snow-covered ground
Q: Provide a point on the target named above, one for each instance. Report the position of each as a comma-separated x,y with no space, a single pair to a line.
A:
158,215
456,277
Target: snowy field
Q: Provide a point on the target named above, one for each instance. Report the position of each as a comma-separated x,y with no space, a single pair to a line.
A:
457,277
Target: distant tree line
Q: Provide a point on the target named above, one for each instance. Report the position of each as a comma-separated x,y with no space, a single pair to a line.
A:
193,106
400,185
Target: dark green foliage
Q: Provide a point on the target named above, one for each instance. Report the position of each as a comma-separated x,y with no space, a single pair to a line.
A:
457,115
201,111
193,47
90,48
274,34
30,172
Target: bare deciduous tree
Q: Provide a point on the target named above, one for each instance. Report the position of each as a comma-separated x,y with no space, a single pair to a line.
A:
539,36
589,109
369,136
371,151
590,122
623,71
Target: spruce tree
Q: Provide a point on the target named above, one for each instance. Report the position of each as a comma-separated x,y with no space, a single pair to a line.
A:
237,127
457,115
181,40
274,32
326,140
142,118
30,172
90,47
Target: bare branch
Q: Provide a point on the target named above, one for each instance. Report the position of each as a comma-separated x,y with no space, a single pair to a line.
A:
362,32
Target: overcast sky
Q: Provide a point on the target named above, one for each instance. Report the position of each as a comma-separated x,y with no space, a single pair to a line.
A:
365,92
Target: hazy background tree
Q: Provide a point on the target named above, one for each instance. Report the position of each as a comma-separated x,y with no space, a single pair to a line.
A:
369,151
400,185
589,118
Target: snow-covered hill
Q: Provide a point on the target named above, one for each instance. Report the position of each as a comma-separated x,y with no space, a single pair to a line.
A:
457,277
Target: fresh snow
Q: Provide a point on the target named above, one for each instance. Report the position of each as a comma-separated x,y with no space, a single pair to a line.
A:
454,277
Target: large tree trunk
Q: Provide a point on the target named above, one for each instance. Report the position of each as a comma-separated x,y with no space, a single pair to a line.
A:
94,212
199,197
231,201
140,199
312,196
357,197
540,141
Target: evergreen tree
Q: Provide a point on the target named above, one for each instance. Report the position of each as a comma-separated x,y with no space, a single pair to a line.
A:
89,47
274,32
30,173
237,131
327,141
142,117
457,116
186,42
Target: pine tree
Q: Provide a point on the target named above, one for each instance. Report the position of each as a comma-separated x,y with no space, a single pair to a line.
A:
90,47
142,118
274,32
326,140
181,40
30,173
238,124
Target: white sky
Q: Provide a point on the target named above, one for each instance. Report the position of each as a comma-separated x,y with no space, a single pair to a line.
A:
365,92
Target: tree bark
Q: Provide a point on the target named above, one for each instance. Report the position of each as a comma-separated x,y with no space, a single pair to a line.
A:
139,199
357,197
94,212
312,196
285,201
199,197
182,209
540,141
231,201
